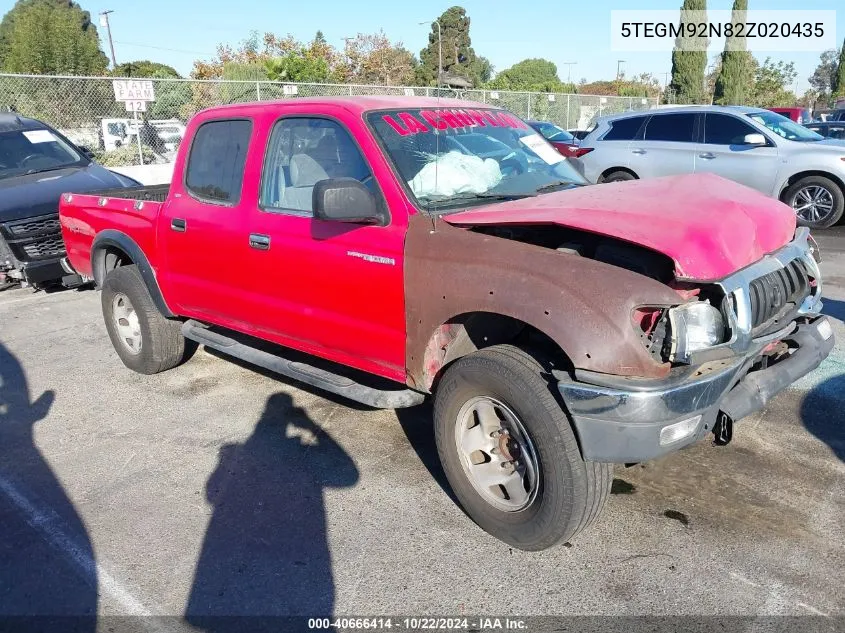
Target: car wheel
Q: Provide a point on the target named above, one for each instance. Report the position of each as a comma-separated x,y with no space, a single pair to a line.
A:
618,176
509,451
818,202
144,340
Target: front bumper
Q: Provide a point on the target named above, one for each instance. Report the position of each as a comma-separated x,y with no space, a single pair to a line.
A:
620,419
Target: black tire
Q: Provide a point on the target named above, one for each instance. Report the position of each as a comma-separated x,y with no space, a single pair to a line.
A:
618,176
571,492
162,345
835,192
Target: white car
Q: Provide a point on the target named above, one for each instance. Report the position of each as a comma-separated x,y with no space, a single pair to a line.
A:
755,147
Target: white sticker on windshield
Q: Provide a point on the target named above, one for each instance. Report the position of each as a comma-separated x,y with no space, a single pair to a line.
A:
539,146
39,136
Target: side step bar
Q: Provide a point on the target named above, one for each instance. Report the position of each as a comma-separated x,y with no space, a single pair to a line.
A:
314,376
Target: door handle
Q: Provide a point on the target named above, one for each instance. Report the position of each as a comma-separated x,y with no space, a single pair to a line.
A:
178,224
260,242
707,155
638,151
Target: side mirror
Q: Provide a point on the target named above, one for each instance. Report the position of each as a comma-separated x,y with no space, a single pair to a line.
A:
87,153
754,139
345,200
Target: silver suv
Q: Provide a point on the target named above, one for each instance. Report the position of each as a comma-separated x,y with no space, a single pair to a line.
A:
758,148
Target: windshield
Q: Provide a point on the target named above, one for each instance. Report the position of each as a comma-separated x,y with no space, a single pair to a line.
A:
452,158
31,151
553,132
784,127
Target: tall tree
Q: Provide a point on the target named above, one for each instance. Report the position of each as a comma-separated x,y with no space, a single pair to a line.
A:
837,86
689,61
733,84
772,83
824,76
50,37
459,58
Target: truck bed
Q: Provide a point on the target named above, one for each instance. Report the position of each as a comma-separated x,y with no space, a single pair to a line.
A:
129,210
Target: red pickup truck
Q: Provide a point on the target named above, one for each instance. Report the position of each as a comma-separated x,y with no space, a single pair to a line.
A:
417,246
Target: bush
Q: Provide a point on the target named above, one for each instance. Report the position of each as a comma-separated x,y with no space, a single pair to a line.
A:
125,155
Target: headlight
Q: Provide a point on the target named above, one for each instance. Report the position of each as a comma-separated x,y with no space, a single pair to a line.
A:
695,326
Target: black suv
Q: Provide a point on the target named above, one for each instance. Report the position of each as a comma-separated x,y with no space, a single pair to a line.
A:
37,165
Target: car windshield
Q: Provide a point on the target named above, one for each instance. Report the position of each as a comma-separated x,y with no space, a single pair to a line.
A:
554,133
453,158
784,127
32,151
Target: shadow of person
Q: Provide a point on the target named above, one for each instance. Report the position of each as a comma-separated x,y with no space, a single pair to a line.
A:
821,413
46,558
834,308
266,552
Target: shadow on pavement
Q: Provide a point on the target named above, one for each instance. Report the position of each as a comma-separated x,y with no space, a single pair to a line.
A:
821,413
418,425
46,558
266,552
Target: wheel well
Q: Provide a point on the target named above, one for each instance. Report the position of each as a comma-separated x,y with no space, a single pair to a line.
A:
796,177
609,171
108,258
470,332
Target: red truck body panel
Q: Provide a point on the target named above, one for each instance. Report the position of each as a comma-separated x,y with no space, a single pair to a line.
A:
339,290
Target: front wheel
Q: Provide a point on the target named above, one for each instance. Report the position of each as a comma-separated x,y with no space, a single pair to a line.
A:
509,451
618,176
818,202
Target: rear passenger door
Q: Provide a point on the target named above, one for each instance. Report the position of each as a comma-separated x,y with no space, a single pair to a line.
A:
201,228
667,145
612,150
724,153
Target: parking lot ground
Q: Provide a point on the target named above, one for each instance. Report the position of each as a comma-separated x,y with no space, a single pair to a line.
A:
217,489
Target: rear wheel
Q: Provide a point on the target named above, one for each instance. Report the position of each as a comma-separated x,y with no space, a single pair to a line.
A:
618,176
818,202
510,453
144,340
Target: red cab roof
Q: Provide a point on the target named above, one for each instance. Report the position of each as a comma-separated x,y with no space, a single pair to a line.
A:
356,105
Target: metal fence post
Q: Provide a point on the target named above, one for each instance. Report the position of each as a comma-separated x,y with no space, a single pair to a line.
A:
529,106
258,90
567,111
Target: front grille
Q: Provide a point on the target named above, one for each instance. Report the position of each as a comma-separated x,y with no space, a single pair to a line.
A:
34,238
36,225
49,247
778,292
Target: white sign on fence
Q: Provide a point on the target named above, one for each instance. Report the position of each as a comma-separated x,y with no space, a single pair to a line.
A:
134,90
136,106
290,89
409,92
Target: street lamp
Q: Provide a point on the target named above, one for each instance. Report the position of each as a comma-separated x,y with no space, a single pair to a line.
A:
569,71
619,63
439,51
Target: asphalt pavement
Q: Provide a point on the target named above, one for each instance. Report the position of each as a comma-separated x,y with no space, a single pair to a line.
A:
217,489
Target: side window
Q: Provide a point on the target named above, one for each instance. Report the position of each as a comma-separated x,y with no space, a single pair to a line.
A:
624,129
216,163
723,129
679,128
300,153
836,131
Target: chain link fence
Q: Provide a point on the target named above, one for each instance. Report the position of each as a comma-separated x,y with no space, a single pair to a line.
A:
84,108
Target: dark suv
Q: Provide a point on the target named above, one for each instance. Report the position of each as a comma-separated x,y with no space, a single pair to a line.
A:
38,164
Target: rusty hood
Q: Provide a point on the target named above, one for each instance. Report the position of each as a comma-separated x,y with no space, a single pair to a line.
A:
710,226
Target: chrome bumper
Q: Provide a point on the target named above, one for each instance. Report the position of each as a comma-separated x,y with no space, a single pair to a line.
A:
625,420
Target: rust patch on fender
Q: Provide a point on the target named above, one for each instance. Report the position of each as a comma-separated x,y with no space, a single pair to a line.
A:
583,305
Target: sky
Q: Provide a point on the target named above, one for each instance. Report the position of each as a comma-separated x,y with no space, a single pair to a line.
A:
176,32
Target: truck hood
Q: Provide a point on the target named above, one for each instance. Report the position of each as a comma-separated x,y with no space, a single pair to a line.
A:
38,194
709,226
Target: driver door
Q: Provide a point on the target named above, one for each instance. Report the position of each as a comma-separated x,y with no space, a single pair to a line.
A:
331,288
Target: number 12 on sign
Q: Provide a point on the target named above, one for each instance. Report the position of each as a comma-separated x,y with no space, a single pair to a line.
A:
136,106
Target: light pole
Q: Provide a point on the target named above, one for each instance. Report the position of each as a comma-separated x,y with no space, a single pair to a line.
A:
439,50
569,71
104,21
619,63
